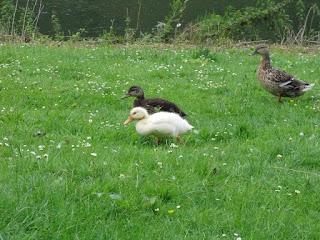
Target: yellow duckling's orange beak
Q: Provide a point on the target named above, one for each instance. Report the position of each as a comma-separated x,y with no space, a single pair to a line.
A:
129,120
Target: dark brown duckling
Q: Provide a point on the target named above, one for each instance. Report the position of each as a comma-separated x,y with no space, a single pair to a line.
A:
277,81
152,105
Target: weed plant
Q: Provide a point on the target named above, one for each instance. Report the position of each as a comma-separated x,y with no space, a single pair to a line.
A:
70,169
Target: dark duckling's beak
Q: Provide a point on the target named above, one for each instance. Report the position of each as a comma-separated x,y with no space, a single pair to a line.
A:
126,95
254,53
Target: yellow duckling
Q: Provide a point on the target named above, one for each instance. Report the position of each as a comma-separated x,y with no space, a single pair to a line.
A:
160,124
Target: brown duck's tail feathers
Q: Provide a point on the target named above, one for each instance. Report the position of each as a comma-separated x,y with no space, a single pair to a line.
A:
296,84
286,84
308,87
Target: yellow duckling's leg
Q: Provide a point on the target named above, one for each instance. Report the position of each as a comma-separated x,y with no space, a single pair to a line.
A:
180,140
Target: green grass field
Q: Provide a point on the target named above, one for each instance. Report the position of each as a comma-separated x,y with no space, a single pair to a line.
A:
70,169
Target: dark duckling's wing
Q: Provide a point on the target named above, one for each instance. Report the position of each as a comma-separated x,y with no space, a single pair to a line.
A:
158,104
152,105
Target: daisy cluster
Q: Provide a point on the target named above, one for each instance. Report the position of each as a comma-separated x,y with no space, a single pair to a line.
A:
287,192
38,153
4,142
236,235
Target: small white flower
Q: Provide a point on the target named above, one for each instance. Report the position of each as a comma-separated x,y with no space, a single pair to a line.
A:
312,137
297,191
122,176
86,144
178,207
180,156
156,209
178,25
100,194
172,145
160,24
93,154
279,156
41,147
224,235
115,196
277,190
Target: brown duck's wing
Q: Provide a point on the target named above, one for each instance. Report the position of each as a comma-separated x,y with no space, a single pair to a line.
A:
286,80
159,104
278,76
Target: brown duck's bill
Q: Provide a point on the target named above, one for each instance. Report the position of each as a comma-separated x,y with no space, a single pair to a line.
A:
129,120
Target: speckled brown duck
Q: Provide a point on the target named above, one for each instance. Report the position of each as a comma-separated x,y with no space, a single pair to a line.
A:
277,81
152,105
